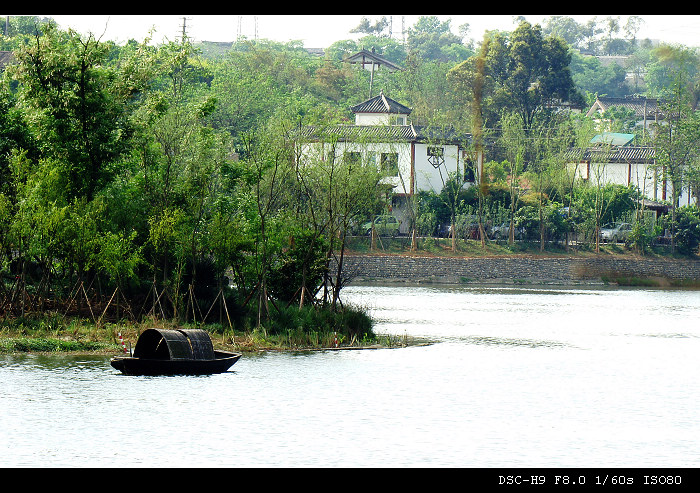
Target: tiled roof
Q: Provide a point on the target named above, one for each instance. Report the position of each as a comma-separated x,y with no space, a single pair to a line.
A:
638,105
381,104
381,133
442,135
359,133
624,154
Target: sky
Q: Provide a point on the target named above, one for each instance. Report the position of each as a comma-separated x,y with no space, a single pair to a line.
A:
320,31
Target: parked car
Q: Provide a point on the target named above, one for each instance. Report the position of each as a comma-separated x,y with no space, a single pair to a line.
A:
614,232
444,230
500,232
467,226
384,224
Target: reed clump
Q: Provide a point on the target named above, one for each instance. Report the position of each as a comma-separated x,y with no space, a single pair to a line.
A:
286,328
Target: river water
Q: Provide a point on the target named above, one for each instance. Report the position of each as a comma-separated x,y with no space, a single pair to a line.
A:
516,377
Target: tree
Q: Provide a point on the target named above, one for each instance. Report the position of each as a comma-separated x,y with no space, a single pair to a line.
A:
589,33
613,27
632,27
591,77
514,142
16,30
523,72
65,90
674,65
687,227
269,158
677,143
529,71
79,120
336,185
367,28
433,40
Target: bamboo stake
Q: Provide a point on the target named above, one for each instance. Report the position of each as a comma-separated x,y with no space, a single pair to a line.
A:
82,285
99,321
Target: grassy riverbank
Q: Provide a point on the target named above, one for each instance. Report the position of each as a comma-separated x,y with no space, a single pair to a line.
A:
51,333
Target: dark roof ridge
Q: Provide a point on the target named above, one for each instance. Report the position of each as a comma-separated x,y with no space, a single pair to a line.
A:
381,104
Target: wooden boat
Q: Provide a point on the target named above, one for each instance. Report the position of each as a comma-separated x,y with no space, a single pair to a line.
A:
174,352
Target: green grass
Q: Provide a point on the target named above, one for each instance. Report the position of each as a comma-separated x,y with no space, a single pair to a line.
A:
51,345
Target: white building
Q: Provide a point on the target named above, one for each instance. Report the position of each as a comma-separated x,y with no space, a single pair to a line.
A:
612,159
412,158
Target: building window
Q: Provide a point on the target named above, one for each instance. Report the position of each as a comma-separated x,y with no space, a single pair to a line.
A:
352,159
436,156
398,120
389,163
470,168
372,159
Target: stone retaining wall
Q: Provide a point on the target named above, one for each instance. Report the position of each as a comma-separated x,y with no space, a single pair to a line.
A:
400,268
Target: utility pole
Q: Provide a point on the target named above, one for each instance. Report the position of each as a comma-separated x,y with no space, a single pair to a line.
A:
239,33
184,29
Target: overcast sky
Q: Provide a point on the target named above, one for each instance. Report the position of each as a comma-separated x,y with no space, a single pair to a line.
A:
319,31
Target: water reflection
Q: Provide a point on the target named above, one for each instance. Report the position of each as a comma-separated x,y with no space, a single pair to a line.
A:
500,341
518,377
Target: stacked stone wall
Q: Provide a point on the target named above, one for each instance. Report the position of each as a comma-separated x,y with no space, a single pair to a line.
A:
399,268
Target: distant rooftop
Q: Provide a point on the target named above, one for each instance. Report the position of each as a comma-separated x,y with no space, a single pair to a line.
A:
381,104
612,138
620,154
365,57
640,105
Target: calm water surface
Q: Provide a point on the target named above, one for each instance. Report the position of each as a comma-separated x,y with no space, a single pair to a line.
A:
518,377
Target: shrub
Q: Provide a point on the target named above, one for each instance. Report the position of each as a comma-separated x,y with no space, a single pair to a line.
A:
688,229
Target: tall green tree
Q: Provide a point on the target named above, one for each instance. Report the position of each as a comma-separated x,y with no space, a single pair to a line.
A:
79,120
65,90
677,143
530,72
433,39
671,66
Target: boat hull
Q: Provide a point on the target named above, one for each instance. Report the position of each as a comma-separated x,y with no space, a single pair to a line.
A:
143,366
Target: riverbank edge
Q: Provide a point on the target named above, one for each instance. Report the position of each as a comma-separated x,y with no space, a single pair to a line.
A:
512,270
593,270
110,349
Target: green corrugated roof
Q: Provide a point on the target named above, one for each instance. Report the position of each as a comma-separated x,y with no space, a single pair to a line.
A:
612,138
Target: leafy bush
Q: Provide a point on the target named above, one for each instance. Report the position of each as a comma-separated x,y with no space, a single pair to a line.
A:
688,229
306,252
348,321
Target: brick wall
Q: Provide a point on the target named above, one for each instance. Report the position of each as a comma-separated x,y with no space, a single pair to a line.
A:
515,269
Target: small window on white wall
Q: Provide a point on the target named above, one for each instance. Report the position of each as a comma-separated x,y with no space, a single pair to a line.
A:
372,158
389,163
398,120
436,156
352,158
